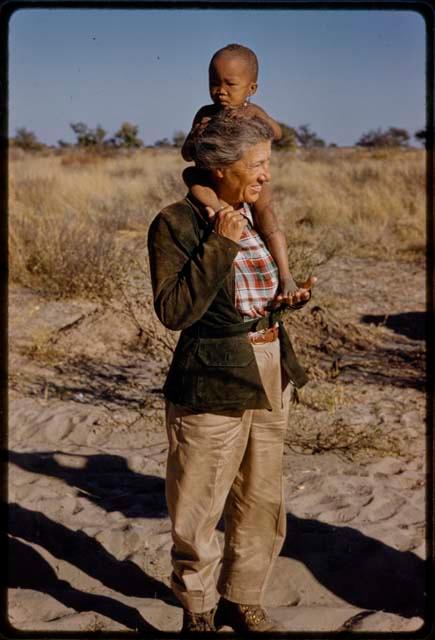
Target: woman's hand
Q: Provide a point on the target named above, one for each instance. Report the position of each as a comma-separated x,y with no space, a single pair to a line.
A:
228,222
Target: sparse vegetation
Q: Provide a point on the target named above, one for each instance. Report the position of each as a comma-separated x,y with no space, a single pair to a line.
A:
87,137
348,442
392,137
68,212
178,139
288,141
307,138
26,140
127,136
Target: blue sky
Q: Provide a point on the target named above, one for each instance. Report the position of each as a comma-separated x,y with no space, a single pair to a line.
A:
343,72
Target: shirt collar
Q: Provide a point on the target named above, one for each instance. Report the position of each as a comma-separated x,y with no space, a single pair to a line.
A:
247,213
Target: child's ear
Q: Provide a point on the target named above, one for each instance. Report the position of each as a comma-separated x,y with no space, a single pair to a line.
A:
253,88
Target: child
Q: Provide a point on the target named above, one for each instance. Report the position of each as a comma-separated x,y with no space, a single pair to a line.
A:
233,75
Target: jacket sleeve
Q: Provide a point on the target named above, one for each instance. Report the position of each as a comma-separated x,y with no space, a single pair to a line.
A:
185,281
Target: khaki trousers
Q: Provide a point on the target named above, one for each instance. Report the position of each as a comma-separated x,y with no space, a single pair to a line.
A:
227,463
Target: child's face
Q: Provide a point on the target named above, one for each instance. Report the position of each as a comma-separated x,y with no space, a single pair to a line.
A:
230,81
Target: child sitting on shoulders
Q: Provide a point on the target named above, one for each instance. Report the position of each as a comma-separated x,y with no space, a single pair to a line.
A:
233,73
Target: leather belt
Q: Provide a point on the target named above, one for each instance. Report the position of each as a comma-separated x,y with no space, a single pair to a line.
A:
261,337
223,331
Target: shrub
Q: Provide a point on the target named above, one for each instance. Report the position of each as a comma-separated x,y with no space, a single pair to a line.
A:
26,140
392,137
127,137
288,141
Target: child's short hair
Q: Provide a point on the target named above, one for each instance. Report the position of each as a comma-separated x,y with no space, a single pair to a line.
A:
243,52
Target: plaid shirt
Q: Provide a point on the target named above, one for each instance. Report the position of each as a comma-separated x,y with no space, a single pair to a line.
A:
256,272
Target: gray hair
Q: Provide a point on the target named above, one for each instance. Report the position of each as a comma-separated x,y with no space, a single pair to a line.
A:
227,137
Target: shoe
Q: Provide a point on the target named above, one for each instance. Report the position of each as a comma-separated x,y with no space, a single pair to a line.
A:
244,618
194,623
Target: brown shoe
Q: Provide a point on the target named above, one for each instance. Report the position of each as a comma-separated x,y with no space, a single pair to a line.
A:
244,618
194,623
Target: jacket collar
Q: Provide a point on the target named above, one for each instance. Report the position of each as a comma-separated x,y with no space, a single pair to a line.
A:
198,207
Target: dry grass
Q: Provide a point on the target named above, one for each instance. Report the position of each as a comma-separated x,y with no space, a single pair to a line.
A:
349,442
66,212
353,201
69,212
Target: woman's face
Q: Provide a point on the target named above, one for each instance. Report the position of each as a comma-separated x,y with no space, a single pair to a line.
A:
243,180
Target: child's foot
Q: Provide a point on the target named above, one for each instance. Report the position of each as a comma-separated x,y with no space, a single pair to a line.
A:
297,298
287,286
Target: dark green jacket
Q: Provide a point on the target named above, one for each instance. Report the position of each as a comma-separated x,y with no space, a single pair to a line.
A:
192,274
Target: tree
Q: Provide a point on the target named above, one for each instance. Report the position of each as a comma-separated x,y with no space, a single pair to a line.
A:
164,142
392,137
308,138
178,139
88,137
398,137
27,140
127,137
288,139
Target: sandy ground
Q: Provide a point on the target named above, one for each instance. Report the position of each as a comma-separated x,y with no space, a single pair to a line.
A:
89,533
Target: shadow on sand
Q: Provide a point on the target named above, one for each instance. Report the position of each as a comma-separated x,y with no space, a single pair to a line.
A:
357,568
411,324
27,569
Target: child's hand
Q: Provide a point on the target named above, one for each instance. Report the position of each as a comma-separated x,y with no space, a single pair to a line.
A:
202,124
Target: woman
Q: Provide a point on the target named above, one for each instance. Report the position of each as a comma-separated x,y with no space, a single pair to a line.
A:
227,389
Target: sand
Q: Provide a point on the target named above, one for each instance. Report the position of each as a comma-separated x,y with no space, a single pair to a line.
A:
89,533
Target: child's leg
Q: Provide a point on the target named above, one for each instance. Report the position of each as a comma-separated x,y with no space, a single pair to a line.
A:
268,227
198,181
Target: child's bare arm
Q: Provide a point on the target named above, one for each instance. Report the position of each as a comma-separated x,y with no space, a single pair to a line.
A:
199,122
268,226
254,109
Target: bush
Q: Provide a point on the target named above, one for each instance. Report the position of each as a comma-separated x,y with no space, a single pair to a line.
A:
127,137
178,139
288,141
62,256
26,140
392,137
307,138
87,137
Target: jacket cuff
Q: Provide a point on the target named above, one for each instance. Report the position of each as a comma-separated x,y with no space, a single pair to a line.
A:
226,242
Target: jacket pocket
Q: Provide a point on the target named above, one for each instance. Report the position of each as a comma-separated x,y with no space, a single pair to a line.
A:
227,372
225,352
